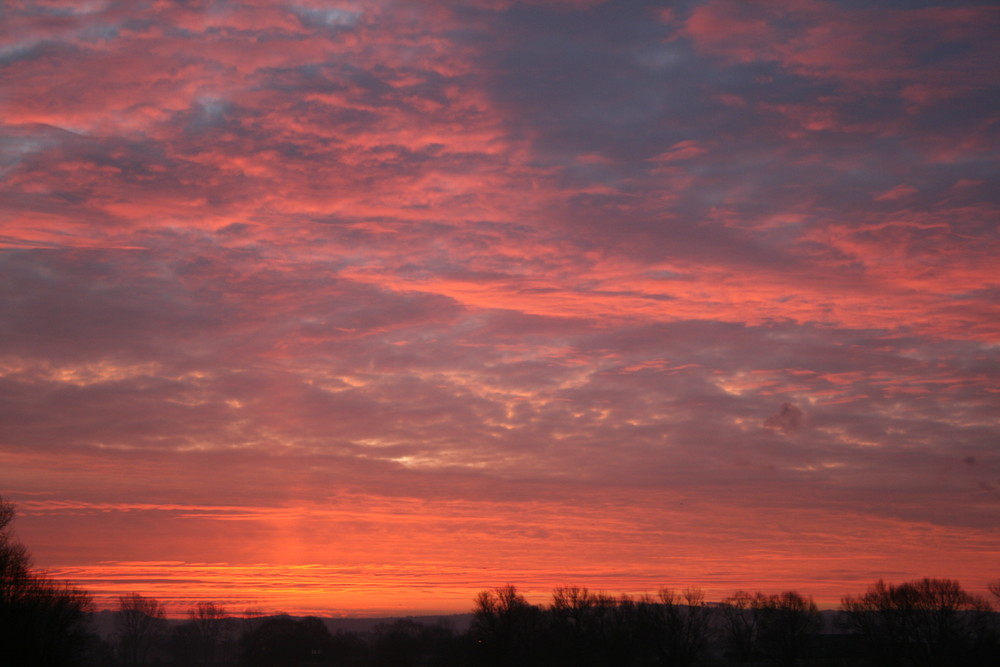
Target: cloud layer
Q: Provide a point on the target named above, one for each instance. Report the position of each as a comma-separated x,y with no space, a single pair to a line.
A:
396,301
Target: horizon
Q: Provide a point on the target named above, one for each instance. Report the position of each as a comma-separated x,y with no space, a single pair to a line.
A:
178,609
369,305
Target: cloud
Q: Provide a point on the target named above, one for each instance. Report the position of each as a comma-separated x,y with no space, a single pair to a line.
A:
442,267
898,192
787,420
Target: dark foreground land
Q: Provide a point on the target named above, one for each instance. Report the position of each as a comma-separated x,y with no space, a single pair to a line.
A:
888,626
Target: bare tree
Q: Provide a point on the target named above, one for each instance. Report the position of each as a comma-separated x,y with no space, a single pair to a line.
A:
211,629
15,564
682,625
505,626
740,622
787,625
42,621
924,623
140,624
624,638
583,624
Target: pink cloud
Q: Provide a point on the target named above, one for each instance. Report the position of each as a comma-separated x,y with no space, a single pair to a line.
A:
899,192
681,151
816,37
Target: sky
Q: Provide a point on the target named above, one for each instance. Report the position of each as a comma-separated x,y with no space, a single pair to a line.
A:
361,307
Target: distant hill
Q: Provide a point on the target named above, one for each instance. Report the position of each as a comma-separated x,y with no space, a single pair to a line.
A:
457,622
103,622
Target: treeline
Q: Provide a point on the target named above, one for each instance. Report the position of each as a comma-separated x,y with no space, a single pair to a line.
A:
924,623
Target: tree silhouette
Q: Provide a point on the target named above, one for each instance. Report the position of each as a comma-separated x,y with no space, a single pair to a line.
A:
740,622
409,642
184,645
506,627
675,627
283,640
924,623
621,638
139,625
583,625
211,630
42,622
787,625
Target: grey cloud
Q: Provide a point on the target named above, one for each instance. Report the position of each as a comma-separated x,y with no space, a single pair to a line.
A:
788,419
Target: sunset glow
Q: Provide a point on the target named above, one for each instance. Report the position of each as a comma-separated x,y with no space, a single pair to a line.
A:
358,307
